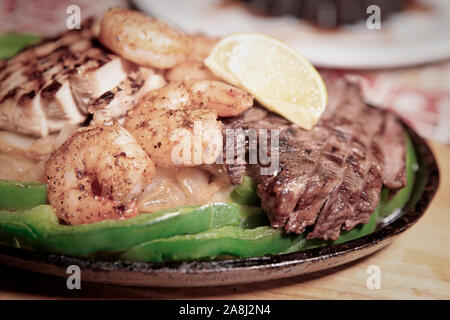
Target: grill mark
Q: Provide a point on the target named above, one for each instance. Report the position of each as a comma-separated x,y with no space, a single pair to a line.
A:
104,99
11,94
36,69
334,158
49,91
325,179
370,193
26,96
5,76
56,52
342,206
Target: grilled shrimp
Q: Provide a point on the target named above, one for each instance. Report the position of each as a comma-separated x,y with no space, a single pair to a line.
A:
179,137
227,100
200,46
177,124
189,70
143,40
150,42
97,174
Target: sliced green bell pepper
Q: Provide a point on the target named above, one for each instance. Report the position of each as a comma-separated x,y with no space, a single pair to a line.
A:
234,241
15,195
11,44
40,229
245,193
229,240
252,217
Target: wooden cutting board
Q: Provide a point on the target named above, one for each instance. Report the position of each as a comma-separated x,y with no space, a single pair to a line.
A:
414,266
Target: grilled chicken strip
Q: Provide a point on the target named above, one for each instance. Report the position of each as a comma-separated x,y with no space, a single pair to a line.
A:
52,84
115,103
97,73
23,76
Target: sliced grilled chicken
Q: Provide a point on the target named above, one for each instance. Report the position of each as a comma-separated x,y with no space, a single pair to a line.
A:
51,85
21,110
22,78
98,73
115,103
58,103
60,106
33,148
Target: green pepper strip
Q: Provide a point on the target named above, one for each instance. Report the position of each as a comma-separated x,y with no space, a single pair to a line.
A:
361,229
15,195
40,229
252,217
234,241
245,193
402,196
210,244
11,44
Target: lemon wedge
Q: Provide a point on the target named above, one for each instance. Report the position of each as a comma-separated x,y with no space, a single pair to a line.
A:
277,75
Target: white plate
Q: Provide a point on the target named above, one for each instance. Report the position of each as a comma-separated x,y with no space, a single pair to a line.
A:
407,38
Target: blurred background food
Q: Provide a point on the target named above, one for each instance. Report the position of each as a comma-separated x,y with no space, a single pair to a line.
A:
324,13
404,66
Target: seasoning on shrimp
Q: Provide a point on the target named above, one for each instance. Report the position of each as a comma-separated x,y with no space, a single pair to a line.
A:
200,46
226,99
190,70
150,42
177,138
97,174
143,40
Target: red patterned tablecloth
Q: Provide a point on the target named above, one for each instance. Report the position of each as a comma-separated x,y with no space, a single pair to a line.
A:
420,95
47,17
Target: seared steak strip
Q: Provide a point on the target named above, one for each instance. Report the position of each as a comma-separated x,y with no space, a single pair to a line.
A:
279,193
254,118
342,202
338,132
330,176
311,164
368,199
392,144
377,174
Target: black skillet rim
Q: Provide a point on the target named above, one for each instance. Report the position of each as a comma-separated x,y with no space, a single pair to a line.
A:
267,262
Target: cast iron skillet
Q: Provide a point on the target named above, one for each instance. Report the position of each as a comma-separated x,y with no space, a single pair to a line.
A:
237,271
